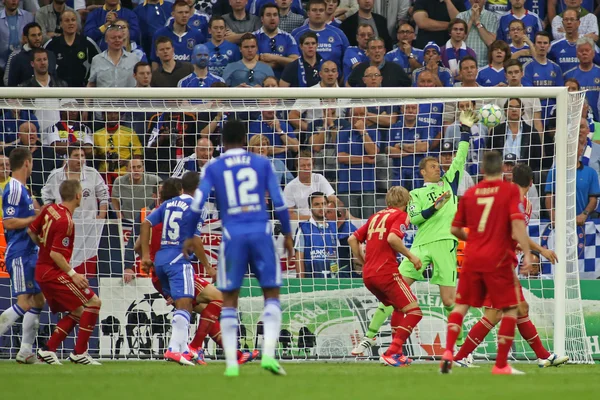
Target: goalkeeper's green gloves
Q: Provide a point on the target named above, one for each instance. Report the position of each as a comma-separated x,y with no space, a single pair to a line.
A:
468,118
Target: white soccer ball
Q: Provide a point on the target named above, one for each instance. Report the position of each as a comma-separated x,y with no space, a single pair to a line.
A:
490,115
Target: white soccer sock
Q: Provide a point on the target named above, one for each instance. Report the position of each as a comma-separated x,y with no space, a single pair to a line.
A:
272,326
229,330
180,331
9,317
31,324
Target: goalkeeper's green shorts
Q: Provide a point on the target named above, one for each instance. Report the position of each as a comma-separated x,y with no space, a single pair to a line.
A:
442,254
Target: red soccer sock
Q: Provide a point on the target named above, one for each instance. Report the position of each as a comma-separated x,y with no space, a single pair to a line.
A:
529,332
403,331
87,323
506,335
455,321
62,330
476,335
208,317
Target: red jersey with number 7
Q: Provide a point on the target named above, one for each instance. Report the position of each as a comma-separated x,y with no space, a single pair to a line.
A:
56,231
380,258
487,210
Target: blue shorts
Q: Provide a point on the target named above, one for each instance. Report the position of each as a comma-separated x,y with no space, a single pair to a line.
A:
177,279
22,274
239,250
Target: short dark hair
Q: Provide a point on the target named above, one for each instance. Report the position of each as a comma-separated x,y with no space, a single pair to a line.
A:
311,2
375,39
514,98
219,84
190,181
518,22
363,25
308,34
17,158
502,45
77,145
171,187
248,36
513,63
458,21
522,175
267,6
492,163
180,3
215,18
38,50
575,81
30,26
162,39
139,65
544,34
465,59
316,195
234,133
68,189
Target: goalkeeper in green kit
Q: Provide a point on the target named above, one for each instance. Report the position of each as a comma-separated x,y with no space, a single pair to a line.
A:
431,209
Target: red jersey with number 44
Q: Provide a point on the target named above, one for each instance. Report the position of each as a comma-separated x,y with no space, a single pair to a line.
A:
487,210
54,226
380,258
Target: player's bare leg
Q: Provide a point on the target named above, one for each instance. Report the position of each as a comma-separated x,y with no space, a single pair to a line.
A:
272,327
178,344
506,335
403,323
455,320
229,329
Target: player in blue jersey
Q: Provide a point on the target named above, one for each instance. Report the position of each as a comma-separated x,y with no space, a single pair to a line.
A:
201,77
530,20
354,55
587,73
409,58
332,41
21,254
175,271
276,48
241,181
493,73
222,52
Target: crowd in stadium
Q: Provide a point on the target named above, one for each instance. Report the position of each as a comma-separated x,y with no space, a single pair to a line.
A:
350,154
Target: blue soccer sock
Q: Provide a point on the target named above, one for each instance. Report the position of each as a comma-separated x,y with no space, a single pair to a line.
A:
9,317
229,329
31,324
180,331
272,325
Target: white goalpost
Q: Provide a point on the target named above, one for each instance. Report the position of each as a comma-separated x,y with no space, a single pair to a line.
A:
325,313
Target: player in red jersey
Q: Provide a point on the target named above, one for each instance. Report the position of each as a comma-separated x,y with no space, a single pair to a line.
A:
493,212
65,290
383,233
208,300
522,176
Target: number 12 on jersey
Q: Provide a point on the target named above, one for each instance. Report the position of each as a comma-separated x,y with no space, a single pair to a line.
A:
239,191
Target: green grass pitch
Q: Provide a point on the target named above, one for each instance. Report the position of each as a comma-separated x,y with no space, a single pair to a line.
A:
306,381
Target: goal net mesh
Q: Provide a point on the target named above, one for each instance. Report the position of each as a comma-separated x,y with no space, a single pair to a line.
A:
315,145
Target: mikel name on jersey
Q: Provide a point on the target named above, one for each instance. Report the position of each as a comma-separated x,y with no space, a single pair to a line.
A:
237,160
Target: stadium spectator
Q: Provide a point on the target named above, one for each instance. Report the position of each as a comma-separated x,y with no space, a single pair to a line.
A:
432,113
128,44
365,15
94,204
249,71
354,55
297,191
115,145
493,74
517,137
431,61
591,155
432,19
510,160
142,72
588,22
330,13
201,77
170,71
19,67
260,144
332,41
198,20
254,6
378,116
564,51
409,57
152,15
447,154
195,162
10,119
12,21
455,48
44,158
276,48
49,17
183,37
531,21
222,52
133,191
316,242
305,71
280,134
483,25
396,12
288,20
467,70
587,73
521,46
239,21
587,188
336,212
70,129
357,148
100,19
74,52
114,66
393,74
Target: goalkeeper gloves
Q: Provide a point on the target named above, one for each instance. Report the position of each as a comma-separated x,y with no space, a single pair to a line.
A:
468,118
443,199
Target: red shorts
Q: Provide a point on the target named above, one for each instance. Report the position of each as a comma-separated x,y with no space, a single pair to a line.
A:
199,285
487,302
500,288
62,295
391,290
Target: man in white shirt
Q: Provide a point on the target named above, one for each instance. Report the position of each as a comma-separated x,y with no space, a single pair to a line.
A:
447,154
296,192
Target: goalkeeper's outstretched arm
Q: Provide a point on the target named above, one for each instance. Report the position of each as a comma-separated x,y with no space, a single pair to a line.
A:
468,118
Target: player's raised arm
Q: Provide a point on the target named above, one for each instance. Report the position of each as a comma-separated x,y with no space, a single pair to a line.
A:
468,118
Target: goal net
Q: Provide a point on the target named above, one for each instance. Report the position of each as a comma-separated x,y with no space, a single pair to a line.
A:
350,144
